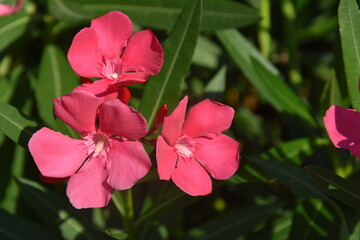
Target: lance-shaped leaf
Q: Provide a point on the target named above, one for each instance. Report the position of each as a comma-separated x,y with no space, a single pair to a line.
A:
336,186
56,78
290,175
16,125
162,14
233,224
11,27
67,10
349,24
263,75
60,216
165,88
13,227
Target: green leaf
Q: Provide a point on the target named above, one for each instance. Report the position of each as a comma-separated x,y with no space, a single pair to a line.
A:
116,233
165,88
56,78
11,28
67,10
14,228
290,175
207,53
349,25
162,14
215,88
16,125
315,219
233,224
296,150
336,186
58,214
263,75
331,94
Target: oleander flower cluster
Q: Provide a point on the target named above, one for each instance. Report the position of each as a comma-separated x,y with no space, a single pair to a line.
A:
109,155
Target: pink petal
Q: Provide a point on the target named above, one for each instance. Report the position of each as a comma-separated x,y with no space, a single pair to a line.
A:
56,155
219,156
192,178
117,118
341,125
113,29
103,89
127,163
84,56
143,53
173,124
131,78
88,187
8,9
78,110
166,159
208,118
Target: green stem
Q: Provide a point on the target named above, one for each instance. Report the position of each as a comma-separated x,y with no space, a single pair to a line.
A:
264,36
129,214
290,35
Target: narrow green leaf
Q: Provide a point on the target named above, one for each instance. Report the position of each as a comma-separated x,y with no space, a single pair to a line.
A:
16,125
331,95
162,13
290,175
336,186
215,88
232,225
349,25
356,233
165,88
116,233
14,228
315,219
56,78
60,216
296,150
207,53
67,10
11,28
263,75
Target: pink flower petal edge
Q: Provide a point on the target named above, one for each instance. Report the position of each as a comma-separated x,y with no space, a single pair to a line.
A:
187,151
341,126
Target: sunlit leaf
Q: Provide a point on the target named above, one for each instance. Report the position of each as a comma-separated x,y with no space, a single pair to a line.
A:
263,75
60,216
165,88
162,13
336,186
16,125
349,25
11,28
67,10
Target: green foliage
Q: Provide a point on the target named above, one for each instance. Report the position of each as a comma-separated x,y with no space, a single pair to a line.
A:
178,51
279,64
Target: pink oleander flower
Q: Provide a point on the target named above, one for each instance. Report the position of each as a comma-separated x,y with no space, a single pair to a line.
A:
107,157
341,125
189,150
109,50
8,9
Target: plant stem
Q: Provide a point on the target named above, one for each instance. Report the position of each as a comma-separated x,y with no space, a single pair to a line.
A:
290,35
129,214
264,36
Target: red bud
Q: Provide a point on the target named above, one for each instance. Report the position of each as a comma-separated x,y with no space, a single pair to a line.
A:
85,80
124,94
160,115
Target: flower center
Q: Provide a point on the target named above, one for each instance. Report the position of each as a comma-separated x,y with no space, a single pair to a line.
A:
184,147
98,144
111,68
